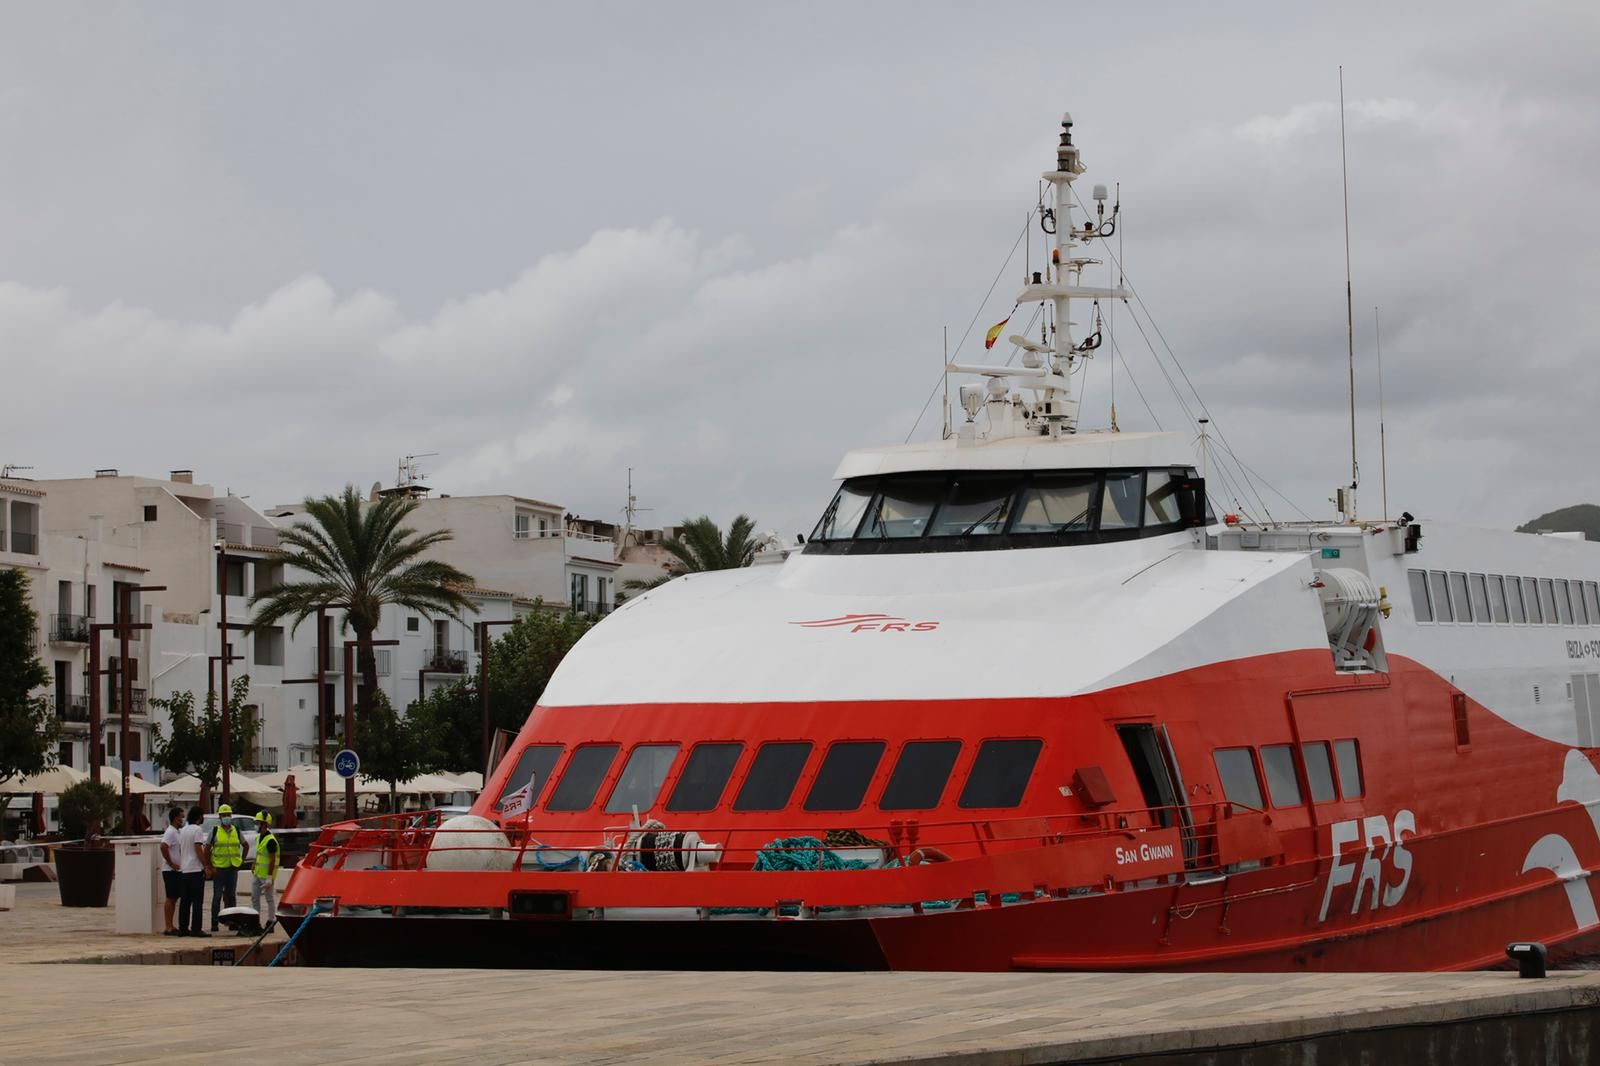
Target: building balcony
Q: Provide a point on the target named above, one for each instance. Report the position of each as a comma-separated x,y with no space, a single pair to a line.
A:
73,709
444,661
261,761
333,660
590,607
69,629
140,707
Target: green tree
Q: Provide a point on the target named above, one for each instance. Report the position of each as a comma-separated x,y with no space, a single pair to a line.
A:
85,806
28,730
195,743
397,747
700,545
520,664
361,558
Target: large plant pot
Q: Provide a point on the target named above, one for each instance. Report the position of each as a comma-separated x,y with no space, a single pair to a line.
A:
83,876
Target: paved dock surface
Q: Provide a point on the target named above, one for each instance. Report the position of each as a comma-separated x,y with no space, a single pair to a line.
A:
40,929
77,1013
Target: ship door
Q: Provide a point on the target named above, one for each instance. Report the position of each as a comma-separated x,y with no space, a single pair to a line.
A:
1156,768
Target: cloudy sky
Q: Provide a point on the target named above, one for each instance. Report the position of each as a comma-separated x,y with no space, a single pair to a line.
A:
718,242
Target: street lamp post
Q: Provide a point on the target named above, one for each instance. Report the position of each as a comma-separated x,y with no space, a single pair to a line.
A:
483,684
125,634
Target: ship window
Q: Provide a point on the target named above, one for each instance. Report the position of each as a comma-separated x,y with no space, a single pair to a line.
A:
1580,612
1120,506
1319,771
1514,600
1349,757
920,774
1419,595
1530,596
704,776
1161,499
1480,597
535,763
974,506
1458,597
1547,600
1591,593
581,779
843,515
903,508
1439,586
1000,773
846,772
1497,598
772,775
1278,761
1563,602
642,778
1051,504
1236,768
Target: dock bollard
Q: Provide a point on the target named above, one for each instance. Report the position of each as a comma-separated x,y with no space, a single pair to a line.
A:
1530,958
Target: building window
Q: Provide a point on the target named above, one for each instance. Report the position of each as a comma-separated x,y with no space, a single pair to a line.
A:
64,754
413,624
521,527
269,646
704,776
1000,773
600,593
580,591
88,601
149,512
544,527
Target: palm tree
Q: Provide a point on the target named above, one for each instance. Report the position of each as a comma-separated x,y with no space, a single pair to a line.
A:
361,558
699,546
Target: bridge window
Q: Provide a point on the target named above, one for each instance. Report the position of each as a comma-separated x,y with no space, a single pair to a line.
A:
1580,611
1161,500
772,776
1547,600
704,776
1000,773
1236,769
1055,504
535,764
1514,600
843,515
1497,598
1439,593
1459,602
920,774
1591,594
975,506
903,508
642,778
582,776
1319,771
1563,602
1278,761
1420,604
1349,758
846,772
1121,507
1480,597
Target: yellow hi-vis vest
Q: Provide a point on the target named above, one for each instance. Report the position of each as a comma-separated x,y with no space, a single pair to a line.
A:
227,850
264,859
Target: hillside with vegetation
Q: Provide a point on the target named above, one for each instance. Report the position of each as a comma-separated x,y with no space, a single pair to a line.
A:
1580,518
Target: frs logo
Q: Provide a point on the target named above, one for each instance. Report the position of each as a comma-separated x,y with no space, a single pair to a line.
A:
1373,829
869,623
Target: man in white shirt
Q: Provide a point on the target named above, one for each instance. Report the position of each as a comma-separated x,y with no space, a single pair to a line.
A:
171,866
192,871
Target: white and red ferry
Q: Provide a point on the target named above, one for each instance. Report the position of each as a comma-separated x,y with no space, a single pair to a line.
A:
1020,702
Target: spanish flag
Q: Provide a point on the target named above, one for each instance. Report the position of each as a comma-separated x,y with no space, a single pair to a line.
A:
994,331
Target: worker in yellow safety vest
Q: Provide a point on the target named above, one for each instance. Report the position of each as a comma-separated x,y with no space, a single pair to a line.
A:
224,854
264,881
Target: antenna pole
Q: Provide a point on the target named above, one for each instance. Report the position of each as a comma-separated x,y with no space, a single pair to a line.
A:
944,430
1383,450
1349,308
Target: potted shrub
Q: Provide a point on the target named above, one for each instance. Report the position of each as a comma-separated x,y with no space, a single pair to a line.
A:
84,871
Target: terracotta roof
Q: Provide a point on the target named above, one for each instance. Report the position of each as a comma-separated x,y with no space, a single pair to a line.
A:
127,566
478,590
592,562
272,549
20,490
539,503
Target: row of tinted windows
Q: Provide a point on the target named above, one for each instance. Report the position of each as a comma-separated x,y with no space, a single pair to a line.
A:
1241,777
1486,599
998,776
904,506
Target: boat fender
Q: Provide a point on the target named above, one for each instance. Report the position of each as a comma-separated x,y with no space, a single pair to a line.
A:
469,842
922,855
